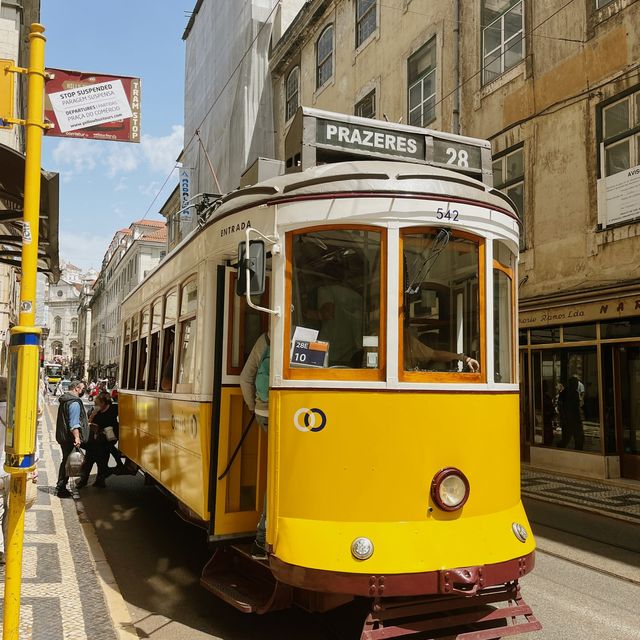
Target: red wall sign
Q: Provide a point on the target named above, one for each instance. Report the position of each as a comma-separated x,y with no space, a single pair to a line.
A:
92,105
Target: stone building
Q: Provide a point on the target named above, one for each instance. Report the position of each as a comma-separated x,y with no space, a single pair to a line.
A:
15,18
62,300
132,254
84,325
555,87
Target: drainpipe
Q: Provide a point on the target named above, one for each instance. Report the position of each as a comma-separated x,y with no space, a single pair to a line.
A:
456,68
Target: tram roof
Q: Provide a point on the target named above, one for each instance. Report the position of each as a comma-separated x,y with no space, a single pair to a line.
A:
363,176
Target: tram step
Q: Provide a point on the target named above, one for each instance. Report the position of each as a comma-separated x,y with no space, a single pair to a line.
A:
247,584
452,617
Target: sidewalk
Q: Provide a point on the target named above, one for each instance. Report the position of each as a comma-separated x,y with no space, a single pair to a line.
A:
615,499
63,591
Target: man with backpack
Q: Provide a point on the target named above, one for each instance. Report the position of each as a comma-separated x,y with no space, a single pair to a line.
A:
254,382
72,429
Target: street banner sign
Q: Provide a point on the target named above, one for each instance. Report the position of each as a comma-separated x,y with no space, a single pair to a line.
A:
93,106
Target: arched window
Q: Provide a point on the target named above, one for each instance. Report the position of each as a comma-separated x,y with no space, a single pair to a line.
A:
57,324
324,56
292,90
57,348
74,325
74,348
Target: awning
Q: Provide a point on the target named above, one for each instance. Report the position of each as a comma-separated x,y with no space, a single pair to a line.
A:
11,204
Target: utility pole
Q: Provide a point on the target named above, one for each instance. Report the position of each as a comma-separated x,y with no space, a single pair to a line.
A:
24,350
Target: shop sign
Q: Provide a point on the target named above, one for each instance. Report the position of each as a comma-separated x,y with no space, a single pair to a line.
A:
93,106
369,140
586,312
184,181
619,197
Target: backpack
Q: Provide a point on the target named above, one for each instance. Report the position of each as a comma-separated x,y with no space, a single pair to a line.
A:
262,376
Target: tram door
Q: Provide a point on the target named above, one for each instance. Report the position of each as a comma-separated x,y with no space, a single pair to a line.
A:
238,482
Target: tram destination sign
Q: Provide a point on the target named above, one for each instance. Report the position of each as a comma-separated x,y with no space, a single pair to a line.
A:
370,140
460,155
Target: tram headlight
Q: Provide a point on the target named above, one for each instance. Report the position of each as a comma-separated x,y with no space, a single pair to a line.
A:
449,489
362,548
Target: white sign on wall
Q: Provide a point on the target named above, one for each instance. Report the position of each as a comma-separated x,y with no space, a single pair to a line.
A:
185,193
90,105
619,197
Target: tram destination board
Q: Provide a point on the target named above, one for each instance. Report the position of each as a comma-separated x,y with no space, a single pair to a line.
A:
454,154
370,140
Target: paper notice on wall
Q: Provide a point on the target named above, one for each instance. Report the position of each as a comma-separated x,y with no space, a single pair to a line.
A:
90,105
619,197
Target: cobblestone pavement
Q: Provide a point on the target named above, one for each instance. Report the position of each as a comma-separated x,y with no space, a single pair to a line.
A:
62,598
613,499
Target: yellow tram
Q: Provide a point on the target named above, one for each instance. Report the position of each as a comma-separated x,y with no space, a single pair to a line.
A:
391,462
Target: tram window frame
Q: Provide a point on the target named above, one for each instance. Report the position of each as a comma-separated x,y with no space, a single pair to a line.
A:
480,377
508,270
190,317
154,346
133,352
125,356
362,374
238,305
168,329
143,349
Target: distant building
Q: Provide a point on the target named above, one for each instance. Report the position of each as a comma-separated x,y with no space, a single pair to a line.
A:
84,325
62,343
132,254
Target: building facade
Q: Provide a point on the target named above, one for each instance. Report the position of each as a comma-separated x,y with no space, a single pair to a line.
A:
15,18
132,254
555,87
62,343
84,326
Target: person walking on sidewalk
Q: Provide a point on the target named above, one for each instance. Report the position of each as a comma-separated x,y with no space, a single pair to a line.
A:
98,446
72,429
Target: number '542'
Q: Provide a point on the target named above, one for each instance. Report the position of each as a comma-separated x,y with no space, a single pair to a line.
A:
449,214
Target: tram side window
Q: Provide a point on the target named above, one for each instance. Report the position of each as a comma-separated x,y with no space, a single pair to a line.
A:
125,356
335,299
441,300
186,360
166,379
503,270
142,364
132,364
154,347
246,324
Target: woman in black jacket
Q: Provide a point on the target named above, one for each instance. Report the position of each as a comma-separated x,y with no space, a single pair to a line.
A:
104,414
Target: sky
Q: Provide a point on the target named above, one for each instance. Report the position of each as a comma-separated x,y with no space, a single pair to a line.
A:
104,185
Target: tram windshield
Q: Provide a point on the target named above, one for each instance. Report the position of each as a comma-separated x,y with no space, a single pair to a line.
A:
335,299
441,324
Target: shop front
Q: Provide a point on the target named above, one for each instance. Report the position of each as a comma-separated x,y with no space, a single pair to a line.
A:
580,382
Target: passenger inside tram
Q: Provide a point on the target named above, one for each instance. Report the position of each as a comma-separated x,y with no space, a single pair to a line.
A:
336,294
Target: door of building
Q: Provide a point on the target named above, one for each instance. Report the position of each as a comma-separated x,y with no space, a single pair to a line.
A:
627,366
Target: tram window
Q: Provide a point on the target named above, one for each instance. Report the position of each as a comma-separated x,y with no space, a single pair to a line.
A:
246,324
132,365
187,356
125,367
154,354
142,364
441,300
335,299
166,379
189,300
503,341
171,308
156,316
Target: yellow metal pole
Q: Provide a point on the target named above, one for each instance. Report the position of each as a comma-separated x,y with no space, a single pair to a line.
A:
20,462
